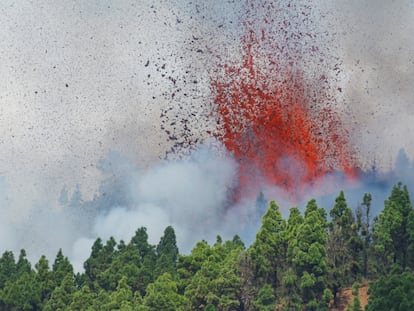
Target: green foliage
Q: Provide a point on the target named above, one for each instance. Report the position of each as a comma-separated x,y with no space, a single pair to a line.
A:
410,233
188,265
23,265
147,259
167,253
126,262
266,300
7,268
62,295
392,229
140,240
344,246
356,306
210,307
294,264
217,281
395,292
122,298
22,294
83,299
355,288
268,252
163,295
307,254
294,221
61,268
327,296
93,265
45,279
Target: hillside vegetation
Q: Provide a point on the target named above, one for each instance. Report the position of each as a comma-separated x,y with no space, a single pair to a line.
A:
308,261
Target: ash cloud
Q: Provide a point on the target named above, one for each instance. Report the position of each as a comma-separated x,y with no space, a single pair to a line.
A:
81,78
374,40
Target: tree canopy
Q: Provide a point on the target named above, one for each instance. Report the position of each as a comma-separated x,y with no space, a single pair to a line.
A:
298,263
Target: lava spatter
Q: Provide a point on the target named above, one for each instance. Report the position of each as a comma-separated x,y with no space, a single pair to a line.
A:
279,132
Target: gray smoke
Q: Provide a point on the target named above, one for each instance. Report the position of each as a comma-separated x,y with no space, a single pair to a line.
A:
189,194
374,41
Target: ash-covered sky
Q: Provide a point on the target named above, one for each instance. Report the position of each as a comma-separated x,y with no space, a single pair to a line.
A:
81,78
376,45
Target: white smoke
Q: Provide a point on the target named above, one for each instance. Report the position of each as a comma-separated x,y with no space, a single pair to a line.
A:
190,194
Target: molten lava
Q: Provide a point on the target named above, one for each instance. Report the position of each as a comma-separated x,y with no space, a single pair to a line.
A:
279,134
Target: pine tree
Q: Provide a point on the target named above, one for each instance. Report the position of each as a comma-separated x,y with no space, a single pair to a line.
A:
100,259
23,265
343,246
122,298
7,268
265,300
140,240
269,250
22,294
391,230
45,279
394,292
62,295
308,258
217,280
127,263
61,267
147,259
291,278
163,295
167,253
83,299
189,265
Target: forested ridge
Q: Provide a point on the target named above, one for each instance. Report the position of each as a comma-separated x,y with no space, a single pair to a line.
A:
298,263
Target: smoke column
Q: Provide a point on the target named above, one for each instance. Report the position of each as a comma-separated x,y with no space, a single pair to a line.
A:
153,113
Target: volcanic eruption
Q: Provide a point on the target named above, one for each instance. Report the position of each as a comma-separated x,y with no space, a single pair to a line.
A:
281,130
126,117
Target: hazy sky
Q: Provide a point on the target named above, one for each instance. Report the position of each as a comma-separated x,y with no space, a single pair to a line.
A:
74,84
79,78
376,45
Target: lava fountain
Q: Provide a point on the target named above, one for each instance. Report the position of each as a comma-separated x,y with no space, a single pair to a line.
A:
268,119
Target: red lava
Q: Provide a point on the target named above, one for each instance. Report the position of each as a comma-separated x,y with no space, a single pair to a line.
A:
276,132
